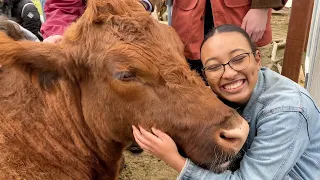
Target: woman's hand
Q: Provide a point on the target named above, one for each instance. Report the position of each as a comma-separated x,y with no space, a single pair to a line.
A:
161,145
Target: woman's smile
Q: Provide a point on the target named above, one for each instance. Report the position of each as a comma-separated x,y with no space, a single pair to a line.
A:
234,86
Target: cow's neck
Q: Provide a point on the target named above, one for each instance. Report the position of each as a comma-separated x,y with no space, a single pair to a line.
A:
101,158
50,130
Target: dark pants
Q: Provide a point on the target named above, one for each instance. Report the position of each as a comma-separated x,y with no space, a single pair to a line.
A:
208,25
208,19
197,65
31,20
25,13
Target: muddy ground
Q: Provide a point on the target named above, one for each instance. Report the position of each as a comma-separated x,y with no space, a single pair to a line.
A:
147,167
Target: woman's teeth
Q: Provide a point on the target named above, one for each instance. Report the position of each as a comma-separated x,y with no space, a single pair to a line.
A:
233,85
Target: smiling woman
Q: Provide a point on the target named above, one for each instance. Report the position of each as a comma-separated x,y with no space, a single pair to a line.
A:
239,75
284,137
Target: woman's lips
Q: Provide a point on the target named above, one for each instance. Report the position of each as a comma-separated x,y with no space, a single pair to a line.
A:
234,87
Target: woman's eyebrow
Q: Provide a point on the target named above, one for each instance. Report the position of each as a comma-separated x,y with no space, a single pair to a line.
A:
210,59
231,52
238,49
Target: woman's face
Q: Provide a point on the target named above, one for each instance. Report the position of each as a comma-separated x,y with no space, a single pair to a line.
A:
234,86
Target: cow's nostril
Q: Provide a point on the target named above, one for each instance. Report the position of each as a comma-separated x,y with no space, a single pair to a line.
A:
230,134
229,138
234,138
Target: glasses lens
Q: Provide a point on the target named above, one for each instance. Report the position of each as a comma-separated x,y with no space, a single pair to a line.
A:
240,62
214,71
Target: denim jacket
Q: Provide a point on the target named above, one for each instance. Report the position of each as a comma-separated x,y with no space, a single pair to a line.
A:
284,137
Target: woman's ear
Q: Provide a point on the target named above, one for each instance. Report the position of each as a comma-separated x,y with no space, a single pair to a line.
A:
257,57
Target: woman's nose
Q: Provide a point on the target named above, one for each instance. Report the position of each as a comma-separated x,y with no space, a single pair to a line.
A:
229,73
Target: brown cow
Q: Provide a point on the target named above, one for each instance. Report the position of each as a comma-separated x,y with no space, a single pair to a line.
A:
66,109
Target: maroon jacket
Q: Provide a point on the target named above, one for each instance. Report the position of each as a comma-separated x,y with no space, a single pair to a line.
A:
59,15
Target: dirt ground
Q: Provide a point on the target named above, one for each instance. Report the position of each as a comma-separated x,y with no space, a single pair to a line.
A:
147,167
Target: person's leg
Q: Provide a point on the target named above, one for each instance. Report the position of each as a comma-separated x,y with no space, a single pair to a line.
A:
134,148
31,20
197,65
42,9
208,18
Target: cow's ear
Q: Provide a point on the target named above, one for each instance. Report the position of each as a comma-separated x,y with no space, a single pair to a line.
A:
47,61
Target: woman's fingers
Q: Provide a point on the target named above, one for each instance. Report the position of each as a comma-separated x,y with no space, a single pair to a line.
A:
159,144
153,139
161,135
145,139
137,136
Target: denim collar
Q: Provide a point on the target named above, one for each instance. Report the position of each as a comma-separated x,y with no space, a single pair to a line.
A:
257,91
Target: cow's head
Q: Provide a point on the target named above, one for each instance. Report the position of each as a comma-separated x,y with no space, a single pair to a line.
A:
129,69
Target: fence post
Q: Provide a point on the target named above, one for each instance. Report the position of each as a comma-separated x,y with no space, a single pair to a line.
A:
296,39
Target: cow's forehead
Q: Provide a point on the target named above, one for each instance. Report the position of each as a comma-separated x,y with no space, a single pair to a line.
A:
152,44
123,37
140,34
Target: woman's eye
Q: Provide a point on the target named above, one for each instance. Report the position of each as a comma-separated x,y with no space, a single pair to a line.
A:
125,76
214,67
238,59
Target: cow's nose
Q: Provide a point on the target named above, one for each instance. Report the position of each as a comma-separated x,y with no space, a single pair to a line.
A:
234,138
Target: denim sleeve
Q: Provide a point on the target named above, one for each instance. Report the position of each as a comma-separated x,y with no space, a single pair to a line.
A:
281,139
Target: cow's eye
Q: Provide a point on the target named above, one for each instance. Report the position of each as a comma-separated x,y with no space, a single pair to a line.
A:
125,76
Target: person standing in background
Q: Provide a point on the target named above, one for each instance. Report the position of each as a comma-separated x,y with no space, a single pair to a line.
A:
193,19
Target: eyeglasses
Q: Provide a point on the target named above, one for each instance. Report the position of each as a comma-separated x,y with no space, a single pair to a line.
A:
237,63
